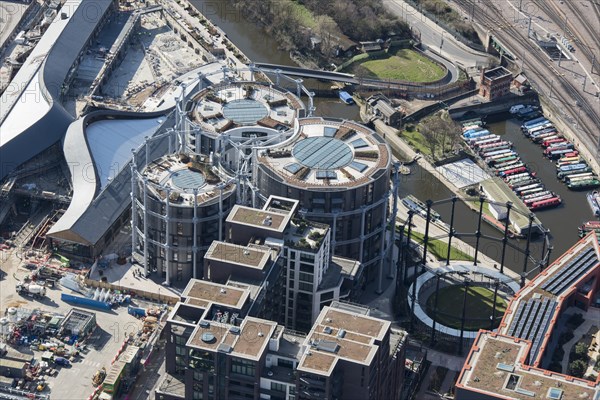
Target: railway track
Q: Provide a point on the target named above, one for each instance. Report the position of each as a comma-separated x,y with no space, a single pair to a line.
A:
573,101
573,33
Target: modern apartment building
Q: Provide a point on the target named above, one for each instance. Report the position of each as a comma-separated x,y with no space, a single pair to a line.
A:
347,354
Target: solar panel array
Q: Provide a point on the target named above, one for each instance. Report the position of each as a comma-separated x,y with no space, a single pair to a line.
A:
531,321
323,153
578,266
245,111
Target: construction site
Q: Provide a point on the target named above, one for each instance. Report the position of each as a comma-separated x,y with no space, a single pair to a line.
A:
137,55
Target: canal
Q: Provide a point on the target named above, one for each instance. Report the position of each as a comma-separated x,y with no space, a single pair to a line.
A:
562,222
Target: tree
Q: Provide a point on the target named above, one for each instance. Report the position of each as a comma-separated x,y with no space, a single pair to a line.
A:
440,131
581,351
577,368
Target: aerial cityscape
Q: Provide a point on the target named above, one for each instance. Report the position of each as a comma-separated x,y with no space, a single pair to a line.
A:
299,199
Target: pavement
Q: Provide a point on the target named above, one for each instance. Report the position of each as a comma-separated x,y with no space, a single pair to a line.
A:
435,38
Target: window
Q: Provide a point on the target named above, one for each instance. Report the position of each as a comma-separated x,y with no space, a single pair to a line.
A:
278,387
304,267
307,257
304,277
285,363
198,376
243,367
327,296
305,286
180,350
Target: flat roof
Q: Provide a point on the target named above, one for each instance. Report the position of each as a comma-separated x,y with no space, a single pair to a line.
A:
198,292
493,357
247,256
275,220
496,73
249,342
339,333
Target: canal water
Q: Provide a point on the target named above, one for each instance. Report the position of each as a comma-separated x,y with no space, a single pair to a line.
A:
562,222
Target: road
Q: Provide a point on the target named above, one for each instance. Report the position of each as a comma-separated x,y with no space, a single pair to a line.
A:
436,38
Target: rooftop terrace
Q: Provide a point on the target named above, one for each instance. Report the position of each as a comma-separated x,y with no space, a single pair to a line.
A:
495,358
181,175
506,363
230,105
328,152
534,310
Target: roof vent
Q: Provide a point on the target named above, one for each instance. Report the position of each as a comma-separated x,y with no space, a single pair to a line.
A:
223,291
246,252
260,334
328,319
327,330
204,324
235,330
341,333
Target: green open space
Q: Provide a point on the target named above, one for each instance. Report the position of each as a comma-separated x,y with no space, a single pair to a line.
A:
439,248
400,64
416,140
478,310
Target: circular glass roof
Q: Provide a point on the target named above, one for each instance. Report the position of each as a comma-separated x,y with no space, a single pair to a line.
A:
322,153
187,180
245,111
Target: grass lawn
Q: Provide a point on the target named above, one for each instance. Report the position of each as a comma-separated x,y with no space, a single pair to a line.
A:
479,305
402,64
439,248
416,141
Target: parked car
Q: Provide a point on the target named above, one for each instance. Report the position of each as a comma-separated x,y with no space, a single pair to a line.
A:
63,362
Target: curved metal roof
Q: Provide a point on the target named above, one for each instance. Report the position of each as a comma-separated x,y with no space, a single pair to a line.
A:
32,124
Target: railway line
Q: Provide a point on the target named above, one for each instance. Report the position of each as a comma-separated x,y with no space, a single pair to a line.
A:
571,99
573,33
